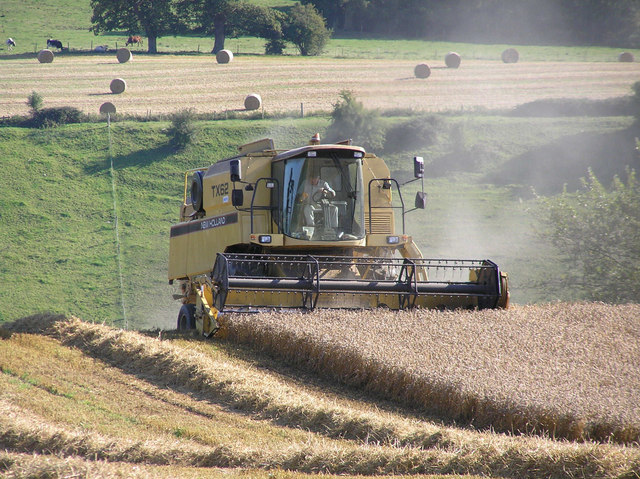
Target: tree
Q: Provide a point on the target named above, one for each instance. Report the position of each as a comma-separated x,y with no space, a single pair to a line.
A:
260,21
598,230
306,29
209,17
223,17
153,17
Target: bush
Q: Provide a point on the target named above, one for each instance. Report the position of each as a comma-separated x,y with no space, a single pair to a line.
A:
51,117
419,132
34,101
306,29
598,230
275,46
182,131
352,121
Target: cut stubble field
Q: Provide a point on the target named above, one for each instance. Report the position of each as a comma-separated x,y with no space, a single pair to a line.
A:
168,83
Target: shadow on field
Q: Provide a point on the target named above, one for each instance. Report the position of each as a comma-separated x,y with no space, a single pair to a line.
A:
136,158
564,162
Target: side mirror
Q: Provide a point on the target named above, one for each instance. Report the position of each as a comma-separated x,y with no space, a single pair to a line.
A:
235,170
421,200
237,197
418,167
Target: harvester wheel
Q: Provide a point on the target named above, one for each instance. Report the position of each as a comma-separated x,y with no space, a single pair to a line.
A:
196,191
186,317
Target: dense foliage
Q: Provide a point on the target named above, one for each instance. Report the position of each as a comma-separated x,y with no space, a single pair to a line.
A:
154,18
305,28
350,120
303,25
577,22
182,131
599,22
598,230
49,117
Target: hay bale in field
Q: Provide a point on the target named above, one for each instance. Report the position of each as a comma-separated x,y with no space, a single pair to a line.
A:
253,102
124,55
108,107
452,60
224,56
626,57
118,85
510,55
45,56
422,70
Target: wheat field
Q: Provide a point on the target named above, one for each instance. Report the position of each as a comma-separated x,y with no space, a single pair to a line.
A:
564,370
168,83
89,400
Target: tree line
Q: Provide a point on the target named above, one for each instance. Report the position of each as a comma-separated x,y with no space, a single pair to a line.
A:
301,25
564,22
309,24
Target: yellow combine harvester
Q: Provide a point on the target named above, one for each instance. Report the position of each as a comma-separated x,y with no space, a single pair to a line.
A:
312,227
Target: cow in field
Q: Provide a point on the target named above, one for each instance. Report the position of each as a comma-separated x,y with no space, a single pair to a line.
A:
10,44
101,48
134,39
54,43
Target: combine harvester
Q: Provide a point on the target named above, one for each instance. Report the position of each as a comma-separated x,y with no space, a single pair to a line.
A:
312,227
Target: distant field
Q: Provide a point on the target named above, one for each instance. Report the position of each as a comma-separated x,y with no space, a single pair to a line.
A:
167,83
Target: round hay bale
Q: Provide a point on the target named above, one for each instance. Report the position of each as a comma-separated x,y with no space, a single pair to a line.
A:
452,60
124,55
625,57
510,55
422,70
224,56
253,102
118,85
108,107
45,56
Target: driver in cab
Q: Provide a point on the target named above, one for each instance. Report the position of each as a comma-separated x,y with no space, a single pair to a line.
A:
315,189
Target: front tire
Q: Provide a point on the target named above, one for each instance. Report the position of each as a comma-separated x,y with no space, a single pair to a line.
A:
187,317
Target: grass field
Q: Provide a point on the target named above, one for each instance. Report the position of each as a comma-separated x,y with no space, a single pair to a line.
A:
115,402
167,83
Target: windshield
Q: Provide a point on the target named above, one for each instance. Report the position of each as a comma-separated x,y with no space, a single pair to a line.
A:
322,197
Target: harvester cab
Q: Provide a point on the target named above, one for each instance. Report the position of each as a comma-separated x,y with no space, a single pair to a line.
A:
310,227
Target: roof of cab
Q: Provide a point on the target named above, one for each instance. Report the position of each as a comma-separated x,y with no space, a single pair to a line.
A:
327,147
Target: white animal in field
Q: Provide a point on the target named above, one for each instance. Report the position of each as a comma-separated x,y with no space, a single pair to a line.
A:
101,48
10,44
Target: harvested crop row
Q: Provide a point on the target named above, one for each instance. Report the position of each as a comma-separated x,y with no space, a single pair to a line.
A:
566,370
411,446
